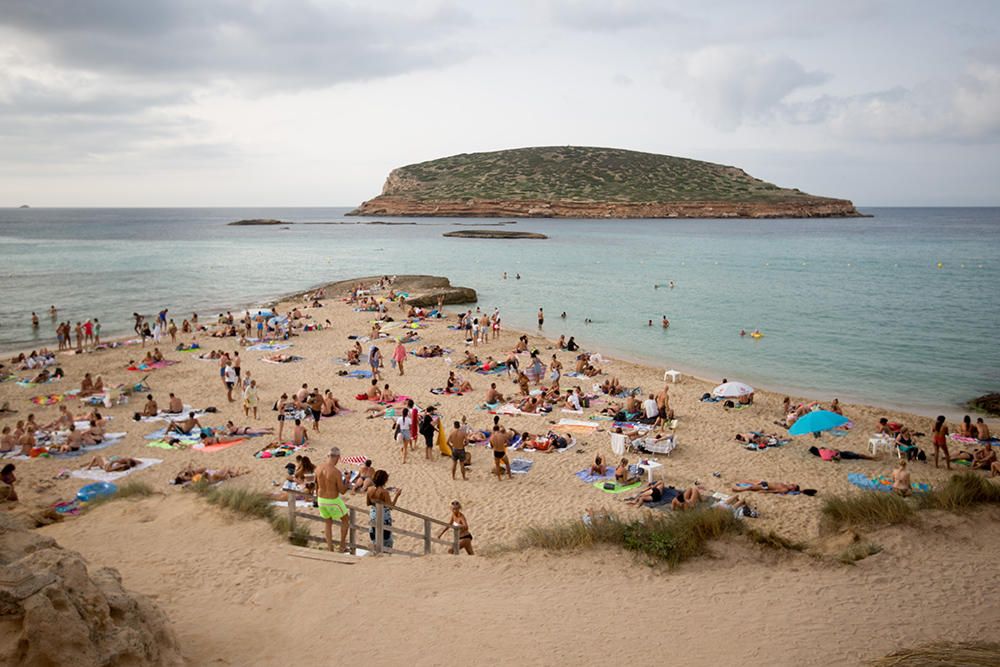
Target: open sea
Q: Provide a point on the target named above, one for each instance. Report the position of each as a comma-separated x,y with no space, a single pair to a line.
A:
899,309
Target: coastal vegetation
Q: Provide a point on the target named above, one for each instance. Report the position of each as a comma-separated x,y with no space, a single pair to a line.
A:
943,654
961,492
250,504
669,538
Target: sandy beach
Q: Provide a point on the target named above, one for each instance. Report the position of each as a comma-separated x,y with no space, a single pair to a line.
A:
266,606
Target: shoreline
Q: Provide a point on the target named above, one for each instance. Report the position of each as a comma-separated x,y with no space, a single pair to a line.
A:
701,374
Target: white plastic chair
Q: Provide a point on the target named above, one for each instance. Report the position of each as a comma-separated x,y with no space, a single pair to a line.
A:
619,442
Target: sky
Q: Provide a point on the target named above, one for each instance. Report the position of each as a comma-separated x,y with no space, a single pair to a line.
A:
313,102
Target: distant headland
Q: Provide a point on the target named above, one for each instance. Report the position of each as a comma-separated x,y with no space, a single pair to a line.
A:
584,182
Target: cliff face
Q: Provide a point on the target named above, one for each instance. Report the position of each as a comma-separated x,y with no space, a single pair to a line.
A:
390,205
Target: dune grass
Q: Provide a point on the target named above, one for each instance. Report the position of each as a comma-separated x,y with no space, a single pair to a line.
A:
667,538
865,510
134,489
772,540
251,504
943,654
962,492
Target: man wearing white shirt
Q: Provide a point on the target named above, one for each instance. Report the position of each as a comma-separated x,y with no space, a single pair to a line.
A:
651,409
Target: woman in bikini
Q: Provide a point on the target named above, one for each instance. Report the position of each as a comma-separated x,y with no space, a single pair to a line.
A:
622,476
940,433
459,521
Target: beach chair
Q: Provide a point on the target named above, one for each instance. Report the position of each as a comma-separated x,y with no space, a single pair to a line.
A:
664,446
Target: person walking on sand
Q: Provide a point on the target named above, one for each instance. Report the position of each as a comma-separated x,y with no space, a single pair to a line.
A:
375,360
457,440
498,443
329,487
230,378
399,356
250,399
458,520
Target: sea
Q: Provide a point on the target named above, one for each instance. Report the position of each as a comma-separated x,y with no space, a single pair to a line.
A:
898,309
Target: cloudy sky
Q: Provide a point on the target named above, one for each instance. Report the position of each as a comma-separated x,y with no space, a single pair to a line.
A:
312,102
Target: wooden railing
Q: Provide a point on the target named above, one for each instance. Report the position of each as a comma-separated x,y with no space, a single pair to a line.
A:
378,546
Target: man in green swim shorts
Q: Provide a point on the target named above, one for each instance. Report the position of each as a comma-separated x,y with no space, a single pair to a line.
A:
329,487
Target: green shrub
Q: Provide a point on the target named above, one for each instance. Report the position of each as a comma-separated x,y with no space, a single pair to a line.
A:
865,510
962,492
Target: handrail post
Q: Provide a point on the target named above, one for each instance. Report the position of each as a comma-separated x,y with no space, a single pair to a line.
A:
427,537
352,532
455,540
379,519
292,498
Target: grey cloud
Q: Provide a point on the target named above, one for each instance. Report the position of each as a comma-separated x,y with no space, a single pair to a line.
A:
732,85
284,44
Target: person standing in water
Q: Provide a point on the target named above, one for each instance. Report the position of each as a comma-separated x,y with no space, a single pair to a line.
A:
541,318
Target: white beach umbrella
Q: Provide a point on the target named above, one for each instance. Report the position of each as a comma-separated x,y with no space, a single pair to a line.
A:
732,390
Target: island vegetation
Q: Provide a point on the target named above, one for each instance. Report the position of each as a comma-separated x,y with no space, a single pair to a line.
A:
575,181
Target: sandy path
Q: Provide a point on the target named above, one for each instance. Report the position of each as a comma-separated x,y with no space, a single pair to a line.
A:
237,598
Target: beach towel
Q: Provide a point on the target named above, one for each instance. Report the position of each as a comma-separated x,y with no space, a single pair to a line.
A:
155,366
358,374
278,450
290,359
173,416
629,426
354,460
882,483
52,399
216,448
521,466
618,487
577,425
511,409
495,370
269,347
29,383
743,486
586,476
101,476
175,445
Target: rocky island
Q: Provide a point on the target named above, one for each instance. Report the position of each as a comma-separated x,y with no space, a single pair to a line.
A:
257,221
493,234
583,182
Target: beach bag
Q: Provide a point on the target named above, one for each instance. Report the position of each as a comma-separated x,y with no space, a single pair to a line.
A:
729,404
610,486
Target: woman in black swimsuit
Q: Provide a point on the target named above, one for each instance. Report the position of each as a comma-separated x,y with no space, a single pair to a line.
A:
459,521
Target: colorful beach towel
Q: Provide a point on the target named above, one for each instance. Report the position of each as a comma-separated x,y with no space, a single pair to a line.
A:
155,366
102,476
618,487
882,483
278,450
52,399
207,449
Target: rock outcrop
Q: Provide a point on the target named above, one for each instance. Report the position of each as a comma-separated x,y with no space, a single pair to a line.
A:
485,208
423,290
988,403
257,221
55,612
491,234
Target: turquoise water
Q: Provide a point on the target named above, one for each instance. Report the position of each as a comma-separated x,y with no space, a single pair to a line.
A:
855,308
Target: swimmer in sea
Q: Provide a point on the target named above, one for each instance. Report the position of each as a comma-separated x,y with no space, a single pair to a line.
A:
743,332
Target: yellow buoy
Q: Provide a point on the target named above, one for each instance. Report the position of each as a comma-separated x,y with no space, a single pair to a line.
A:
940,265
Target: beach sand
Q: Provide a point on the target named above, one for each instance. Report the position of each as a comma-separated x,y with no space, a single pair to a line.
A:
237,596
